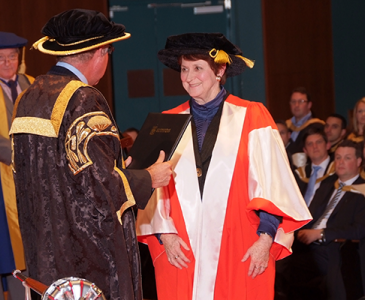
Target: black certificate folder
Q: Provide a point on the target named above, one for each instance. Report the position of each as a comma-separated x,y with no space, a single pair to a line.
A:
158,132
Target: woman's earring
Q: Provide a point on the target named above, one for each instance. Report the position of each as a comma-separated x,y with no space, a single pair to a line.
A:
218,78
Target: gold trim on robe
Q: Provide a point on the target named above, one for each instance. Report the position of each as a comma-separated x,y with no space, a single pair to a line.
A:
355,138
8,188
303,177
47,127
292,127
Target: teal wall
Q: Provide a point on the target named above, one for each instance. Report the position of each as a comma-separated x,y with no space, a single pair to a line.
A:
348,26
246,28
243,26
150,26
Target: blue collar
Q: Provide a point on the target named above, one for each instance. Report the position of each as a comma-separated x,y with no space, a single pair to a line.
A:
73,70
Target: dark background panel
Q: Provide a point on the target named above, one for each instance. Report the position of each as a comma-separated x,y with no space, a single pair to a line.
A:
316,44
298,52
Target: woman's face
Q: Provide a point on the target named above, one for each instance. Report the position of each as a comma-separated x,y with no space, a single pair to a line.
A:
199,80
360,114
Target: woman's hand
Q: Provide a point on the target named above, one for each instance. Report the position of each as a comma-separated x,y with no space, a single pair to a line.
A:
172,243
259,253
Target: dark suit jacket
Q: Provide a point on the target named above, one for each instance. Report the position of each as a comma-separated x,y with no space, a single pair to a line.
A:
297,145
347,221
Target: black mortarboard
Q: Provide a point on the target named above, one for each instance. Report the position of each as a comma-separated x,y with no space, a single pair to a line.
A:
216,45
78,30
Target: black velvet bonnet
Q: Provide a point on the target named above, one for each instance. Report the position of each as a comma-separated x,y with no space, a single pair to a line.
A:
204,43
78,30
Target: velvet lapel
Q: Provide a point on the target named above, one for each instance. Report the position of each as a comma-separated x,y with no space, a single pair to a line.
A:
203,157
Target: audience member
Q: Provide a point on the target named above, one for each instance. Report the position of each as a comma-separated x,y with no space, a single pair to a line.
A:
284,132
302,120
319,168
132,132
127,139
358,122
338,210
335,130
285,136
12,82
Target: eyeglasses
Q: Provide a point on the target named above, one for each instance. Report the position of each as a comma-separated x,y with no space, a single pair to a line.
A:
300,101
108,50
11,58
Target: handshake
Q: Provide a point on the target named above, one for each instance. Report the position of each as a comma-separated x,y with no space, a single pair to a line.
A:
160,171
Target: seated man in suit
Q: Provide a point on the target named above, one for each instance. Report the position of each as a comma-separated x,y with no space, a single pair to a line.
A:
335,130
320,167
338,210
301,122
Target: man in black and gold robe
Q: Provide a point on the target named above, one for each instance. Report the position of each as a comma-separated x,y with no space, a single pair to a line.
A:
73,195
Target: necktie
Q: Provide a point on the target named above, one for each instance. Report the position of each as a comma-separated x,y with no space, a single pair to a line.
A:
14,93
330,206
311,183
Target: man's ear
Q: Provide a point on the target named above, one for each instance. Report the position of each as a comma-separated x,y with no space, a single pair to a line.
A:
343,133
359,161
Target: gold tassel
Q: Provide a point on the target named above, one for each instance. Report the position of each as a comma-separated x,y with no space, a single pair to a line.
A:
22,66
249,63
220,56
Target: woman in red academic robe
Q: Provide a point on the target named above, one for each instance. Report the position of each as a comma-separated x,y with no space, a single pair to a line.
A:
232,204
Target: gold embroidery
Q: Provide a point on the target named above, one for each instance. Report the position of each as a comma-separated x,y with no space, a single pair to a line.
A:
81,131
99,123
32,125
128,192
76,43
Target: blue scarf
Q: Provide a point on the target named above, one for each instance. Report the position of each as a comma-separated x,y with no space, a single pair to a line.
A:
204,114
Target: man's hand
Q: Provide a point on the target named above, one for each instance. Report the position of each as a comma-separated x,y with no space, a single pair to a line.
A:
172,243
259,253
307,236
160,171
